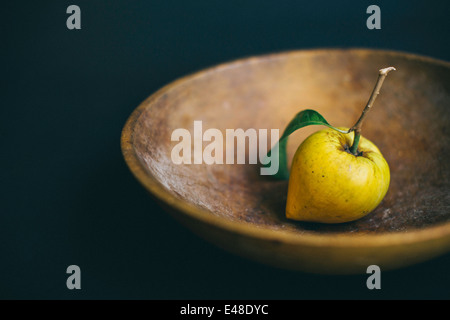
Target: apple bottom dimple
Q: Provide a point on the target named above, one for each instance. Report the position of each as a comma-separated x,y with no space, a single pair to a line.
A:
329,185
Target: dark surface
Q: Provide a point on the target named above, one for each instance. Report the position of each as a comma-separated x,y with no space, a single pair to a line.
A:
67,196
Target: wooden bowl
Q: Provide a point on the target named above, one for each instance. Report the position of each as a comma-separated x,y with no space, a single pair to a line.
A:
236,208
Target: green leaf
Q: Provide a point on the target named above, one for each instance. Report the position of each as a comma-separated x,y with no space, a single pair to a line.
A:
302,119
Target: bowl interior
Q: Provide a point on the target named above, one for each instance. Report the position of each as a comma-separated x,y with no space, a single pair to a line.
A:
409,123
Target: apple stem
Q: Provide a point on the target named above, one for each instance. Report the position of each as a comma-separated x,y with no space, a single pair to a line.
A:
354,147
376,90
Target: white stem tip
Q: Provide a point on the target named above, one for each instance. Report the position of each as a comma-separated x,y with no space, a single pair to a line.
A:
386,70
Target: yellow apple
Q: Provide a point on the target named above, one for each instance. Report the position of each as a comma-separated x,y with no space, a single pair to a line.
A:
329,184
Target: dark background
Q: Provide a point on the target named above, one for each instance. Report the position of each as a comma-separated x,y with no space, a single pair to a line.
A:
67,196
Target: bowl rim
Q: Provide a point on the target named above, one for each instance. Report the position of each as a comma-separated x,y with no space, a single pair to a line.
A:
308,238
